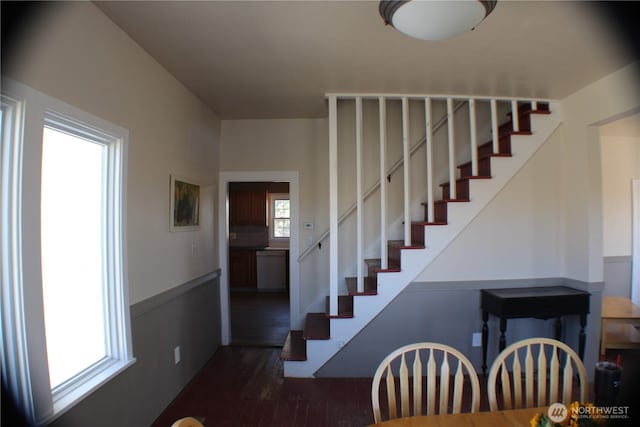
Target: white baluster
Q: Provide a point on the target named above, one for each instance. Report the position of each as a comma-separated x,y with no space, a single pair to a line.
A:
429,154
383,187
407,175
474,137
333,205
359,201
494,126
452,150
534,105
515,118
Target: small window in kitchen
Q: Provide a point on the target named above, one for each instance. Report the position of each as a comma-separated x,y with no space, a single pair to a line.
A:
280,216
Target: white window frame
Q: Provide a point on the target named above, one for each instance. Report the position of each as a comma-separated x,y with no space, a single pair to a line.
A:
272,198
24,360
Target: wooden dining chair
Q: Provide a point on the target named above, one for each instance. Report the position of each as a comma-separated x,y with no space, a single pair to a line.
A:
187,422
535,370
419,387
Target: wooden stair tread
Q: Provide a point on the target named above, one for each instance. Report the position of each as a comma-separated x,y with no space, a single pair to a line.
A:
316,327
465,178
295,347
370,286
520,132
451,201
399,244
376,264
345,307
428,223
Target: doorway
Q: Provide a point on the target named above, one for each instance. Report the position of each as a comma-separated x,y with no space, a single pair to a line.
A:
620,151
255,311
258,245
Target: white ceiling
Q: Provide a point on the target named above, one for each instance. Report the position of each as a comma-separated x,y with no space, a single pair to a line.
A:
278,59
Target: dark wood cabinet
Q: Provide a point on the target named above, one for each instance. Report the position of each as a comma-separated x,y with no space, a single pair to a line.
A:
242,268
248,208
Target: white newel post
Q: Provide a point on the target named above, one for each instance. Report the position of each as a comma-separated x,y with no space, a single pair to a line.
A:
359,198
407,173
452,150
382,114
333,205
474,137
494,126
429,154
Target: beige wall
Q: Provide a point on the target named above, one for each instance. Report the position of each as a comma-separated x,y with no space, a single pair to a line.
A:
620,164
76,54
612,96
279,145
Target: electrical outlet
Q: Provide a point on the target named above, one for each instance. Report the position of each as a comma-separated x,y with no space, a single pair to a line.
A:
176,355
476,339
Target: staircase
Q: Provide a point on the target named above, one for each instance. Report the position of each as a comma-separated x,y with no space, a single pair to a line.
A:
496,162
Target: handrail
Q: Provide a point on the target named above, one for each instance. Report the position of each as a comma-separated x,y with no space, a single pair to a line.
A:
441,97
394,168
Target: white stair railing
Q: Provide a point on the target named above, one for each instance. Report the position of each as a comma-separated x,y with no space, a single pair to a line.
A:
407,151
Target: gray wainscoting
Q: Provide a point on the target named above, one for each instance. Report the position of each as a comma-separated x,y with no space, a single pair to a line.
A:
617,276
449,313
187,316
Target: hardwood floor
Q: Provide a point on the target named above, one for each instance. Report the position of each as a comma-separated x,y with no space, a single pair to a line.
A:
245,386
259,319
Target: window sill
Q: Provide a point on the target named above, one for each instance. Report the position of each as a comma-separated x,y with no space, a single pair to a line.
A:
70,399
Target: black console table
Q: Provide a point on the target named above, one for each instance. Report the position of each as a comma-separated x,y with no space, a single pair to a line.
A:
538,303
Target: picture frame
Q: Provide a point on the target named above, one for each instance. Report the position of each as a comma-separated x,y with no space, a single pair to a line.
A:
185,205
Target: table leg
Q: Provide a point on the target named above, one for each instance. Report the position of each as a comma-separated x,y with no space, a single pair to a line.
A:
485,341
503,329
558,329
583,337
603,337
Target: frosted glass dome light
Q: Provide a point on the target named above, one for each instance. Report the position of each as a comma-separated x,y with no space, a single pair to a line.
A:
435,19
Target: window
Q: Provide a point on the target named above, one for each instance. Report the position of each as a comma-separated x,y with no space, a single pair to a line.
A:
280,216
63,270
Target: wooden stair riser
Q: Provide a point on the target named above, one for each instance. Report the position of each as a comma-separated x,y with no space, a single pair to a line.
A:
440,211
294,348
316,327
345,307
417,232
370,285
484,167
462,189
393,251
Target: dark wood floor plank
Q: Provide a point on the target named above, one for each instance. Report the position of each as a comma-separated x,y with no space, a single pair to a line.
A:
245,386
259,318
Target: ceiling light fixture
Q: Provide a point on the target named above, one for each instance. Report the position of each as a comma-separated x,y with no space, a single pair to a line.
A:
435,20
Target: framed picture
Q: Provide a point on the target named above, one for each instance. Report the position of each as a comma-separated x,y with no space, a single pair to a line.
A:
185,205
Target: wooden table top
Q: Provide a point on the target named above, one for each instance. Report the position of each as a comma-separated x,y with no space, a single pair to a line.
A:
619,308
507,418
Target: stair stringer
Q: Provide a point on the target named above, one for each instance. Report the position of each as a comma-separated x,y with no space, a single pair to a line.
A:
437,238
